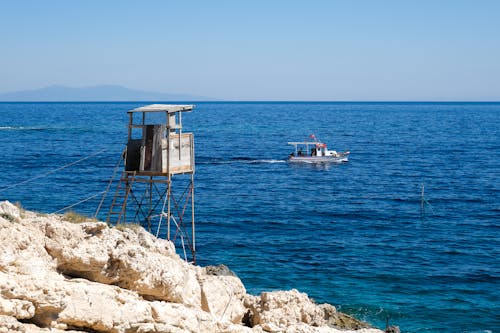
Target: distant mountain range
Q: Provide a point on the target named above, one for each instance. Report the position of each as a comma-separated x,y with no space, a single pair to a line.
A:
101,93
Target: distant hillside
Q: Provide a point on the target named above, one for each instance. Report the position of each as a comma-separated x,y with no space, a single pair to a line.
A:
93,94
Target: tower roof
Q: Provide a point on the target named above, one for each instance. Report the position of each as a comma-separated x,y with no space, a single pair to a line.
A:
170,108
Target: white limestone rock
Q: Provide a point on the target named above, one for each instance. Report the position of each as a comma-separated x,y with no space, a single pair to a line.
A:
222,296
10,324
280,309
20,309
22,248
130,259
57,276
292,311
9,211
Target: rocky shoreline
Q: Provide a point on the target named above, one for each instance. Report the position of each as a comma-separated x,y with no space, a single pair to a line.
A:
61,276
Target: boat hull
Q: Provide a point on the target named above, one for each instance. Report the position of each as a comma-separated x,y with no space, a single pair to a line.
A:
318,159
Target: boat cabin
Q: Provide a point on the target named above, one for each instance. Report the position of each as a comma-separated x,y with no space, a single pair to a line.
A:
309,148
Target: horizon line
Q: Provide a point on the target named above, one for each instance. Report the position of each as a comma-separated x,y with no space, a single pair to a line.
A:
251,101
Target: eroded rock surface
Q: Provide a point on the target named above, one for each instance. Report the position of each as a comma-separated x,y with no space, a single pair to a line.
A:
57,276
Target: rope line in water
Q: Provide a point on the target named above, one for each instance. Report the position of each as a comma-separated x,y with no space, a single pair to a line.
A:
51,171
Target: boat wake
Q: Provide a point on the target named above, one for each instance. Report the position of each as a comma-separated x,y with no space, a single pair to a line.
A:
236,160
20,128
268,161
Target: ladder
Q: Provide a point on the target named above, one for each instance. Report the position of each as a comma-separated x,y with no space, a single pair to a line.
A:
119,204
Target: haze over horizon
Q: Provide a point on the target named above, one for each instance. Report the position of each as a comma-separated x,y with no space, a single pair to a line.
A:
259,50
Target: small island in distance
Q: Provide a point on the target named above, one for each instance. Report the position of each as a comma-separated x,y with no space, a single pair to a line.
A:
98,93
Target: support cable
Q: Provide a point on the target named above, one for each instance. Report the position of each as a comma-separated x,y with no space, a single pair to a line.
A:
182,240
105,193
52,171
161,217
79,202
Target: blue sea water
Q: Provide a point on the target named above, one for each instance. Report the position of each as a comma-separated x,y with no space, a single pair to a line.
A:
349,234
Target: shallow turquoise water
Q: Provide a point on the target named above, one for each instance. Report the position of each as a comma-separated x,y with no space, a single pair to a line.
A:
349,234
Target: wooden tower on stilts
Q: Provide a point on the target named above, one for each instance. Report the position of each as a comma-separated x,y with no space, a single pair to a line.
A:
156,186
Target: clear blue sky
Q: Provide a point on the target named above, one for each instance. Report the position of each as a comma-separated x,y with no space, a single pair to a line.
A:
257,50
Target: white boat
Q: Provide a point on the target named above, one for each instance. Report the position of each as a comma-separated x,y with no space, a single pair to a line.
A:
314,152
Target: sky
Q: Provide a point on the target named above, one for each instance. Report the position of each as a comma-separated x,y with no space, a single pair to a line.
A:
324,50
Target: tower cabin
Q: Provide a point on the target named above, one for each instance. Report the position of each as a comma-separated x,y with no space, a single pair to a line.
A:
157,148
161,148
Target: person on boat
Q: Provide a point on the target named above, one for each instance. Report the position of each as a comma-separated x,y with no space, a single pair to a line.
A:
299,153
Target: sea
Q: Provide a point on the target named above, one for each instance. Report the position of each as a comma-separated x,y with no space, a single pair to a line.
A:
407,232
